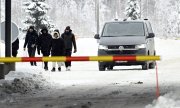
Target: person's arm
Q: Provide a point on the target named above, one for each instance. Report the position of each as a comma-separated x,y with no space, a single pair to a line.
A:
74,43
63,47
62,36
51,47
36,39
17,44
50,39
26,41
39,44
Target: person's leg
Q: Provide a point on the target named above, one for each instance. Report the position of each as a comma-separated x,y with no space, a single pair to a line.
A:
69,55
14,53
30,54
68,64
53,66
33,55
66,54
45,63
59,65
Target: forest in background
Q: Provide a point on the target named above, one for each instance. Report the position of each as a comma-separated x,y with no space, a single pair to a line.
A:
80,14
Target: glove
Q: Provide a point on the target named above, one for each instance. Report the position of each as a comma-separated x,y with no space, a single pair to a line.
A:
75,50
33,45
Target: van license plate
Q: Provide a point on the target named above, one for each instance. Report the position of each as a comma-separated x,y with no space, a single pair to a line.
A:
121,61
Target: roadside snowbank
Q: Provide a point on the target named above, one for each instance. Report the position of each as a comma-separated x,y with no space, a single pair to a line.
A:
170,100
25,83
168,50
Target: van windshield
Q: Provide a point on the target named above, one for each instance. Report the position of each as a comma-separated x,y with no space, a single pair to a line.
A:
123,29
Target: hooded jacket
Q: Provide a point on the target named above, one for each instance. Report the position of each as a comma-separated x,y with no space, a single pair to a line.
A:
31,38
15,47
44,42
57,45
69,39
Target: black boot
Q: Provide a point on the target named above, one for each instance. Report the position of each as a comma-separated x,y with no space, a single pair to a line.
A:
31,63
59,69
46,68
35,64
53,69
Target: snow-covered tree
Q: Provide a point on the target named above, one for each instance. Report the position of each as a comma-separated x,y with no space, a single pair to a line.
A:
37,14
164,15
2,10
133,10
104,14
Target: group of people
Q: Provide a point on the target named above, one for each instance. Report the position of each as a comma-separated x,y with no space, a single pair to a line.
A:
47,44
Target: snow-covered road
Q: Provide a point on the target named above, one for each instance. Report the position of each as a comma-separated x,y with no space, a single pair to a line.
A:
86,87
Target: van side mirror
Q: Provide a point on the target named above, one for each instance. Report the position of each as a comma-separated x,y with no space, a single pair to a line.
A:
97,36
151,35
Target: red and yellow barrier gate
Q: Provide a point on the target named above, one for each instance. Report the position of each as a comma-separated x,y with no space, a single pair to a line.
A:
79,58
86,58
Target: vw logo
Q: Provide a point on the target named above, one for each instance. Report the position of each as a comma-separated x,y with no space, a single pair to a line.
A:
121,47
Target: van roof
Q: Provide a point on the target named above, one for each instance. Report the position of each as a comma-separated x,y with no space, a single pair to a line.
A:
143,21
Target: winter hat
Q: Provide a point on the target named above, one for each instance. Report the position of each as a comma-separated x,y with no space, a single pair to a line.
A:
31,27
68,28
56,30
44,29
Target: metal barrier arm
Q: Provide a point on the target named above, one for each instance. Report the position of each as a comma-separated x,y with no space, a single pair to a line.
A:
79,58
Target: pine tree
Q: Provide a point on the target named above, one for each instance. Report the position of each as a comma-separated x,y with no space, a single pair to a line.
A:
133,10
37,14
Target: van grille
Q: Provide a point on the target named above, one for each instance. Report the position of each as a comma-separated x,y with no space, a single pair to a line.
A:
129,46
113,47
126,52
124,46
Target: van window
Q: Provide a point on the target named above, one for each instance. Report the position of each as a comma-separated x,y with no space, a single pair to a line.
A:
124,29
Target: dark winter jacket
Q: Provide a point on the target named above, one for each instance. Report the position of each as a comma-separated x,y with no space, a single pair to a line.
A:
44,42
57,46
31,39
69,40
15,47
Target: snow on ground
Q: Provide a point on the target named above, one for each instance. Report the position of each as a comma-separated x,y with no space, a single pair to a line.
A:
170,100
86,87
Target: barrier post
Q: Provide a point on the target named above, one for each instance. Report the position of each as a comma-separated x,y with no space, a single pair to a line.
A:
157,82
2,76
8,33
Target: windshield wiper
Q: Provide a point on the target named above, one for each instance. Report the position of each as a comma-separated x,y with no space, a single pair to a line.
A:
109,36
129,35
120,35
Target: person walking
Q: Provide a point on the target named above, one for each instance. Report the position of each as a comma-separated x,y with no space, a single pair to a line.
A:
31,43
69,40
15,47
44,45
57,49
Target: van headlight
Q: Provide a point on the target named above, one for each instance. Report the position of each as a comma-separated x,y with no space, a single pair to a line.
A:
141,46
103,47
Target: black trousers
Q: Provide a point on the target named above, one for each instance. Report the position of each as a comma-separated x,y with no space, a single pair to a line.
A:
14,53
68,53
31,52
45,54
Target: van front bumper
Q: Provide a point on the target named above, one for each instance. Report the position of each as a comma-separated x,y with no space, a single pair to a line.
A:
120,53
